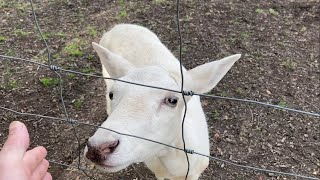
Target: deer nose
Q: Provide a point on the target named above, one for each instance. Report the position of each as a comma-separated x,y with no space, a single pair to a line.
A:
99,153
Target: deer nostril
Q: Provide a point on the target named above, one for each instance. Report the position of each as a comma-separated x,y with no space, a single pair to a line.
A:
109,147
100,153
89,145
93,154
114,145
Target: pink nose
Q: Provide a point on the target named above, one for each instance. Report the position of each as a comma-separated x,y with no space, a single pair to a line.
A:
98,154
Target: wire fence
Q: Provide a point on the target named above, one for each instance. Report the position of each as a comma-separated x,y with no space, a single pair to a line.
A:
75,123
188,151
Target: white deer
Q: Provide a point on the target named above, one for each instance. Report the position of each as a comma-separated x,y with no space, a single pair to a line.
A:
134,53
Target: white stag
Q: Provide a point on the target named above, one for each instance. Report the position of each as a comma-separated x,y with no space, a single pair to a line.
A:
134,53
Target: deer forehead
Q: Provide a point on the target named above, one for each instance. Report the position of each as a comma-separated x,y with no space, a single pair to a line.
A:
152,76
132,102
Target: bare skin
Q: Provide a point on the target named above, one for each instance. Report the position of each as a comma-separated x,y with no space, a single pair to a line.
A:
16,163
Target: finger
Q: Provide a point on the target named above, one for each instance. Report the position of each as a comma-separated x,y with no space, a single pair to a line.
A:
34,157
40,172
47,177
17,142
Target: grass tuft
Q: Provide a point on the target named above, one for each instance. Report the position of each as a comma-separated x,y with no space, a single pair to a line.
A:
123,12
282,103
78,103
12,84
2,38
260,11
244,35
159,1
88,70
74,48
92,31
289,64
273,12
20,32
49,82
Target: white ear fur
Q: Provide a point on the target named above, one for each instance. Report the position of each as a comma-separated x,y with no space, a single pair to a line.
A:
207,76
115,65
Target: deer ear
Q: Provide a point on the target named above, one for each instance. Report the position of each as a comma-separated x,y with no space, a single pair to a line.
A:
115,65
207,76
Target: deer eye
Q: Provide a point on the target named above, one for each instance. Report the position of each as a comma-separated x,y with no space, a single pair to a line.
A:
171,101
111,95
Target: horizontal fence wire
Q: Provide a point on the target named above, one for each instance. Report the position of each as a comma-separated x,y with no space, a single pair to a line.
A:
260,103
189,151
189,93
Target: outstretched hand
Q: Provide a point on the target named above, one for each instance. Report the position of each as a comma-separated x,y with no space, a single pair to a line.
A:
16,163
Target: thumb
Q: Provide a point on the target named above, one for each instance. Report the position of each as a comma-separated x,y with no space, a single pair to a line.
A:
17,142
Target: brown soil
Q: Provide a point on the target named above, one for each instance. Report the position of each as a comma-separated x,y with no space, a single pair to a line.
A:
279,41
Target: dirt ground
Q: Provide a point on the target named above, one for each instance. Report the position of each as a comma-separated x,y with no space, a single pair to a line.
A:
279,41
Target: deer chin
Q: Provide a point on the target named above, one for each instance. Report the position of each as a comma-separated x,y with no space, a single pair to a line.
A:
106,167
111,168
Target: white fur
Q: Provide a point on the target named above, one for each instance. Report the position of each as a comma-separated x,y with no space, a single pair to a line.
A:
134,53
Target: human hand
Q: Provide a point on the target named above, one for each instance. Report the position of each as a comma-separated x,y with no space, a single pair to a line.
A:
16,163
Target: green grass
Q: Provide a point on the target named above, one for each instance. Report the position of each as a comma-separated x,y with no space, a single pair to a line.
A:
216,114
92,31
61,34
260,11
71,76
88,70
20,32
49,82
23,7
122,3
78,103
19,5
187,18
74,48
282,103
224,94
289,64
41,57
269,11
12,84
90,57
273,12
3,4
239,91
123,11
244,35
46,35
56,56
2,38
303,29
11,52
159,1
184,49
